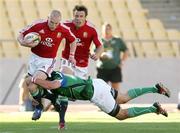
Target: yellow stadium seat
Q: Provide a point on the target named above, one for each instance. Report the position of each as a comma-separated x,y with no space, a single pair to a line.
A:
29,11
15,15
10,49
134,5
139,20
160,36
155,24
148,45
130,36
24,51
131,50
118,4
174,37
43,8
1,51
93,13
62,7
70,5
6,33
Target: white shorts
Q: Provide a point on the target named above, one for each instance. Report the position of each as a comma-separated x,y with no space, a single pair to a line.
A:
37,63
78,71
102,96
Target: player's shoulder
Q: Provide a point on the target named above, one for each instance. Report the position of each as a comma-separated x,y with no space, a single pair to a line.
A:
69,21
64,26
90,24
117,37
35,23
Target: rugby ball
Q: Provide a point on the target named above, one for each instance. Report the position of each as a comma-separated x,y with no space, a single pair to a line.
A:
33,37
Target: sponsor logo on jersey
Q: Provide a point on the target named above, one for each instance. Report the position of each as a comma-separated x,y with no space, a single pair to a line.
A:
78,42
48,42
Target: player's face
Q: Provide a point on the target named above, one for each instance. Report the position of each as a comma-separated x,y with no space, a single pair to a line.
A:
79,18
107,30
53,22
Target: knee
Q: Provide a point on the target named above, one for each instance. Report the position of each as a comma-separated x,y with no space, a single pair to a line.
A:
122,115
32,87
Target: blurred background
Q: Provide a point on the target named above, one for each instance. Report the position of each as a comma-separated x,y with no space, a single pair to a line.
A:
150,28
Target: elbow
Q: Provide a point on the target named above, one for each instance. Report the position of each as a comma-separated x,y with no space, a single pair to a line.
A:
54,85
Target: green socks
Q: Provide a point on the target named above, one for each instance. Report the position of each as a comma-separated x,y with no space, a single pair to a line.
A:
136,111
133,93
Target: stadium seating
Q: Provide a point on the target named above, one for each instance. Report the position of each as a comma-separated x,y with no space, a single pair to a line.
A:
174,35
93,13
159,34
145,37
10,49
15,15
6,33
61,5
29,10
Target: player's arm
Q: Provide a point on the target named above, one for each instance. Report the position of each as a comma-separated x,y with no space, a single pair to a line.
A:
99,46
72,52
24,42
98,52
47,84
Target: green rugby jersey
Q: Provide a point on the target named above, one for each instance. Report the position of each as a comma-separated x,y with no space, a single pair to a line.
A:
113,48
73,87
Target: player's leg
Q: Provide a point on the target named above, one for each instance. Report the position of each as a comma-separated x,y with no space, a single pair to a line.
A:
39,68
137,111
136,92
37,94
63,103
24,97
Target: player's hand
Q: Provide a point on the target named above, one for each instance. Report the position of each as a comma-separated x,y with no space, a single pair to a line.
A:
27,44
93,56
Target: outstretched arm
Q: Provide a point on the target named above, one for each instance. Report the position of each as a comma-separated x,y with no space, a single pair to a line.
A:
24,42
47,84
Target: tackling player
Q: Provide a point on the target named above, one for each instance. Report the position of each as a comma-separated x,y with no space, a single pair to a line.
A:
101,94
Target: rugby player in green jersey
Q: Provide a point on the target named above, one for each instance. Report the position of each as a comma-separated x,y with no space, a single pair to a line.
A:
101,94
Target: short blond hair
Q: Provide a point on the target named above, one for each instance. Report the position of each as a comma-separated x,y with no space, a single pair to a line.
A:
55,13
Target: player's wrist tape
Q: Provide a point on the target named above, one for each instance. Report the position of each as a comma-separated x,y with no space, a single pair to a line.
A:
33,80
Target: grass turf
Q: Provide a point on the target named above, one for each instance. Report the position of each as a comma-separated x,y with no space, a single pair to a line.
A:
88,122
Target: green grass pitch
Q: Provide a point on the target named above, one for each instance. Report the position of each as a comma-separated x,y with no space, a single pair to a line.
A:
89,122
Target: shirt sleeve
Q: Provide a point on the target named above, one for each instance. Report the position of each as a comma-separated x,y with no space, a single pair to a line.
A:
69,36
96,38
28,29
123,46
